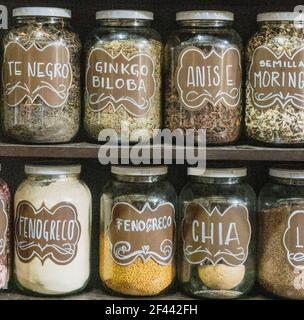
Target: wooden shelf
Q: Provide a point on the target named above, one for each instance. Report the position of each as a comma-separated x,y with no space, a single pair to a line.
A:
90,151
97,294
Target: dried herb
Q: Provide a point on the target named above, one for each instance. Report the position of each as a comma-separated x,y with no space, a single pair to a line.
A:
222,123
276,123
108,118
220,119
276,274
35,121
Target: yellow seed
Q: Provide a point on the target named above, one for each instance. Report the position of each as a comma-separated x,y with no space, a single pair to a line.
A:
138,278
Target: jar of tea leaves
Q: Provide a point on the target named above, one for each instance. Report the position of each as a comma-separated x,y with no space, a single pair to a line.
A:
123,76
217,251
281,233
137,232
275,87
204,76
41,96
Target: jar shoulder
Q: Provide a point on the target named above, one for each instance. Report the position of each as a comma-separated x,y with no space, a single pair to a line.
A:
161,189
276,37
102,35
59,189
28,33
273,193
199,190
206,36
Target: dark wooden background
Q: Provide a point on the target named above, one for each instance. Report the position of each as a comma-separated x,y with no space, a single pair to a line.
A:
83,20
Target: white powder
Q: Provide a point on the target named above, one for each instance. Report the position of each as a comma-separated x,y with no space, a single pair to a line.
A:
49,277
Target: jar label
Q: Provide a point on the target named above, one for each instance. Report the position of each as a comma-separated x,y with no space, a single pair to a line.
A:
120,82
276,78
214,236
4,249
36,73
146,233
3,229
209,77
47,233
293,239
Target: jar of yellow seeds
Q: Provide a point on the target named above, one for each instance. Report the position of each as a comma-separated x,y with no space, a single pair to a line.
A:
137,232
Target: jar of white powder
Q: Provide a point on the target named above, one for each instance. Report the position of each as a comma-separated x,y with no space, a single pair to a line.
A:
52,230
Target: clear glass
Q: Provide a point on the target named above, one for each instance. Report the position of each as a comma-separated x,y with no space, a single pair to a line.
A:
66,268
33,119
276,124
278,200
140,277
218,280
221,122
129,38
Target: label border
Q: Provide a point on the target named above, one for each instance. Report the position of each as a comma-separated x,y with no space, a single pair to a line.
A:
6,229
276,100
49,255
140,212
110,103
222,214
38,95
221,56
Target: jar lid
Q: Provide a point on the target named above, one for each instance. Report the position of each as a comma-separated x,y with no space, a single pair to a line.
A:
280,16
139,171
124,14
218,172
204,15
41,169
287,173
42,12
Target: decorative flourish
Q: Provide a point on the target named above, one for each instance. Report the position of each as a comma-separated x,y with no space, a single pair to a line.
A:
197,94
123,251
52,90
227,242
60,249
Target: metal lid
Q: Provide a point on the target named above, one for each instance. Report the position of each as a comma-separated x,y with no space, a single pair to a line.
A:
124,14
204,15
41,169
42,12
286,173
280,16
218,172
139,171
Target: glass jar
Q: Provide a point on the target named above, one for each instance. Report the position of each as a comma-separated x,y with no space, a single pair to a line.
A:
281,227
5,235
204,76
137,232
274,98
217,247
41,96
123,77
52,230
